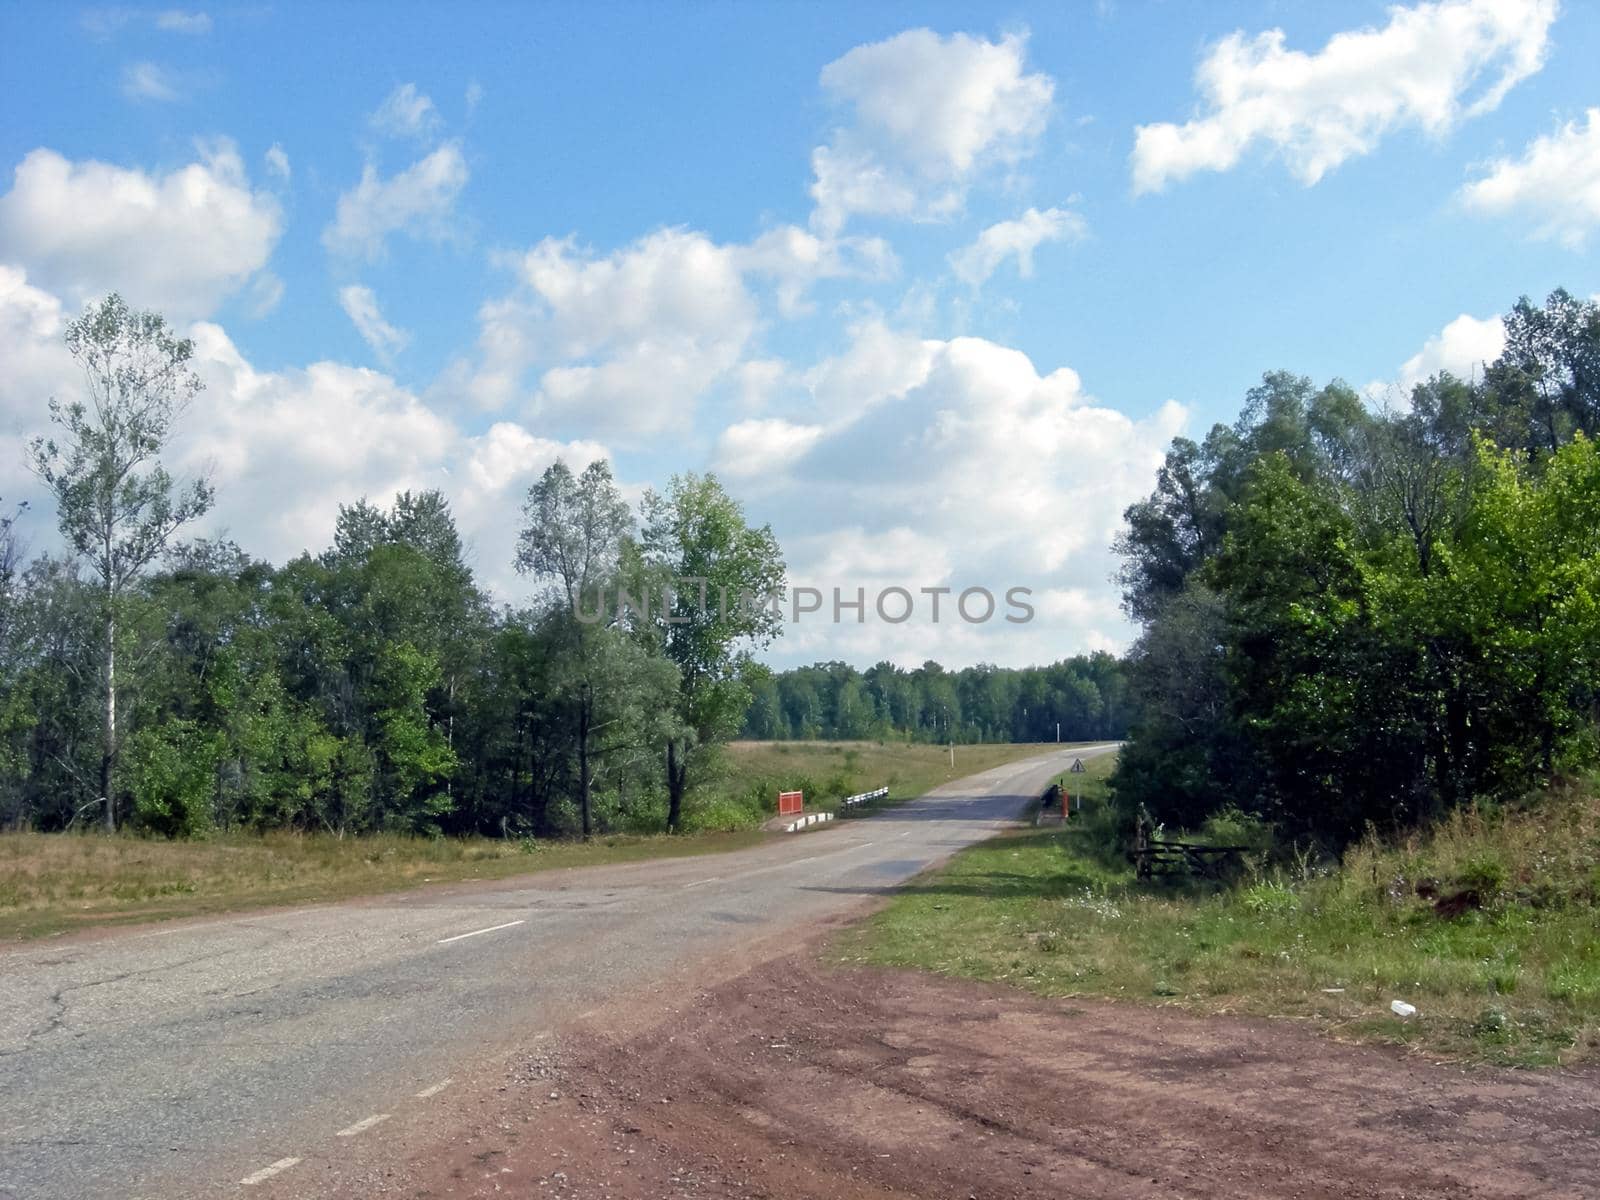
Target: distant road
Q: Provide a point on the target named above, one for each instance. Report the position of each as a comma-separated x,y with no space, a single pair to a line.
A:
184,1059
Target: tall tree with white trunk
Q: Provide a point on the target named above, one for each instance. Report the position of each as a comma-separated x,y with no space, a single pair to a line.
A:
118,507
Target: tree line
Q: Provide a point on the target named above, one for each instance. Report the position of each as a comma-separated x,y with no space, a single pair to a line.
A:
184,685
1083,698
1356,618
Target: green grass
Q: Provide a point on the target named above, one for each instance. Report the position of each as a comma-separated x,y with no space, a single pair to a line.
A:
1514,981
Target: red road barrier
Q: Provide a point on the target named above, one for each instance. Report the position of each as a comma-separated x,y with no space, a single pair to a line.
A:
790,802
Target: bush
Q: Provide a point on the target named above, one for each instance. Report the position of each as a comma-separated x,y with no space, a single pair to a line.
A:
1483,874
1270,899
170,771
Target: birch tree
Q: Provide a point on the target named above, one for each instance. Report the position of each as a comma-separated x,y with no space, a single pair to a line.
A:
118,507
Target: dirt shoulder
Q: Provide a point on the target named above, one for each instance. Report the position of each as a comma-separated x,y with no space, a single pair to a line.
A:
796,1080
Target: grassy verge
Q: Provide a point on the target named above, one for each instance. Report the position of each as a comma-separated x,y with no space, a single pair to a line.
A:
1514,978
829,771
51,883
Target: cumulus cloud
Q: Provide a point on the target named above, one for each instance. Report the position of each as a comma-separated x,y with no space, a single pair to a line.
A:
287,447
419,202
758,447
627,341
1017,239
361,306
928,114
795,259
1462,348
961,465
406,112
1430,67
1555,184
179,242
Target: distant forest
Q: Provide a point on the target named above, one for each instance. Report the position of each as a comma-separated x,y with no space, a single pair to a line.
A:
1086,694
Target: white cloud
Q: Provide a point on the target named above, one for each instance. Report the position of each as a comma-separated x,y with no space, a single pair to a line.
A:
175,20
179,242
361,306
406,112
759,447
285,448
1007,477
278,162
103,23
796,258
420,202
264,294
1430,67
758,380
1462,348
626,341
880,364
1556,183
150,81
1017,239
930,113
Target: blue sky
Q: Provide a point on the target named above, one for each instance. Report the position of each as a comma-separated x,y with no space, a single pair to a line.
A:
438,246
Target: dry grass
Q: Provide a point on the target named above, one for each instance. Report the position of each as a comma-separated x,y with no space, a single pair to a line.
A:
836,769
51,883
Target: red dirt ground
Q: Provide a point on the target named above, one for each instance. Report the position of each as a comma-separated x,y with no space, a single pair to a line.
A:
793,1080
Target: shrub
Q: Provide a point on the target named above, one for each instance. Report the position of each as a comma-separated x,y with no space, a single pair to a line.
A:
1270,898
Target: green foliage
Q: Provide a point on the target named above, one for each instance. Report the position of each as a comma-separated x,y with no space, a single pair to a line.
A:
715,573
170,770
1360,620
1269,898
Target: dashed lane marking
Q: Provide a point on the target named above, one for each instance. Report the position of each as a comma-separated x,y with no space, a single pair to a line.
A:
362,1125
476,932
435,1089
268,1171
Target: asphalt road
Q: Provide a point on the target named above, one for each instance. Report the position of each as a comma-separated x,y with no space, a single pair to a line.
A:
185,1059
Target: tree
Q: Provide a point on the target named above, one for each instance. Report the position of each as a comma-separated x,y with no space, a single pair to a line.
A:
117,505
697,545
574,536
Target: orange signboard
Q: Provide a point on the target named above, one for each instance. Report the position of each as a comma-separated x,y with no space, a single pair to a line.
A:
790,802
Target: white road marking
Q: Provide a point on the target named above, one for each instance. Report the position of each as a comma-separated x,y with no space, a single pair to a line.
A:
363,1125
699,882
435,1089
476,932
267,1172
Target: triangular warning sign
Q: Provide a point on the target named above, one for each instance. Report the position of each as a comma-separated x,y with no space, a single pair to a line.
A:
1077,766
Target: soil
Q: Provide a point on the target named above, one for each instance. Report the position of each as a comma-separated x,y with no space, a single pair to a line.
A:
794,1080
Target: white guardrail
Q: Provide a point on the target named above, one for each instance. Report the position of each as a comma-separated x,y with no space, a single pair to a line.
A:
864,797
